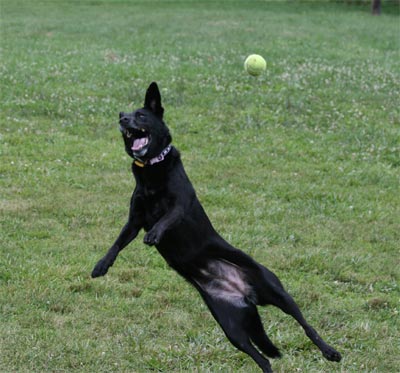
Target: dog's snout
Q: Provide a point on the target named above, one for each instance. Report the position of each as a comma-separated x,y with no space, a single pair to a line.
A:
123,119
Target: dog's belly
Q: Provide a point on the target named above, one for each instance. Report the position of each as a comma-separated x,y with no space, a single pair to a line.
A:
227,282
181,245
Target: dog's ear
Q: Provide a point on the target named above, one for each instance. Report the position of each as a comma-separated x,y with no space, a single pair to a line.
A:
153,100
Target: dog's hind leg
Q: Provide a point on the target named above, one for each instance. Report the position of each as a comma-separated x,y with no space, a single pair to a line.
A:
274,294
269,290
236,322
286,303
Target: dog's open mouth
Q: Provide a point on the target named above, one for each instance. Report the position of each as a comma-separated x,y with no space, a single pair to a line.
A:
140,140
139,144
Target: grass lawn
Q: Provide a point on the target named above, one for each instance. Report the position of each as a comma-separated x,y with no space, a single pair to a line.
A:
299,168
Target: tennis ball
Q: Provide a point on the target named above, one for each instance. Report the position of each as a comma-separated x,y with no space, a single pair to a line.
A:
255,64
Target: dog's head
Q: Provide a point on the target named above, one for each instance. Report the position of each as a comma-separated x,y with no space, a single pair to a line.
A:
144,131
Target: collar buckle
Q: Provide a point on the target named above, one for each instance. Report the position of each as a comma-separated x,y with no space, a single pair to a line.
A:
138,163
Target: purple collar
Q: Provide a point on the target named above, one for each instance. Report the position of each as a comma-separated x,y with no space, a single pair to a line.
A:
154,160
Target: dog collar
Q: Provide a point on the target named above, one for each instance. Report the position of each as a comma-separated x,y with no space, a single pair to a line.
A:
159,158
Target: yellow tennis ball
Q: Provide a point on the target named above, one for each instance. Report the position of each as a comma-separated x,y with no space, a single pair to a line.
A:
255,64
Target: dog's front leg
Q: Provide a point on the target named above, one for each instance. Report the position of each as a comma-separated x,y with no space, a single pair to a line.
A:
168,221
128,234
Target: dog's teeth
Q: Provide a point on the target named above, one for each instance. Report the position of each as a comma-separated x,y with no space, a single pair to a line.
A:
128,135
143,130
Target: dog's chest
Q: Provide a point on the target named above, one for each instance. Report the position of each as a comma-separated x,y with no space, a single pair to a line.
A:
155,207
154,198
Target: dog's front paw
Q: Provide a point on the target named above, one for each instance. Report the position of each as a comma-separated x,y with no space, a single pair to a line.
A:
152,238
100,268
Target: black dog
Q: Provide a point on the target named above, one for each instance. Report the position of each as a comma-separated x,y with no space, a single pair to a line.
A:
164,203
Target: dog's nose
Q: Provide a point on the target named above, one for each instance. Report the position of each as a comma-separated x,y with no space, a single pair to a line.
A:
123,119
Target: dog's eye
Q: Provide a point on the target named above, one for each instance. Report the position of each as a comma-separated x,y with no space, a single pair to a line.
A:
140,116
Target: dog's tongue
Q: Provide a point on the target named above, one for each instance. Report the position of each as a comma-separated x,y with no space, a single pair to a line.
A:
139,143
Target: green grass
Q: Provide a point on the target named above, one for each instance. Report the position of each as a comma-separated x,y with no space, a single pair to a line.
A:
299,168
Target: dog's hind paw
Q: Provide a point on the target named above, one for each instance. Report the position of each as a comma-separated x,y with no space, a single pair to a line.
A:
331,354
100,269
